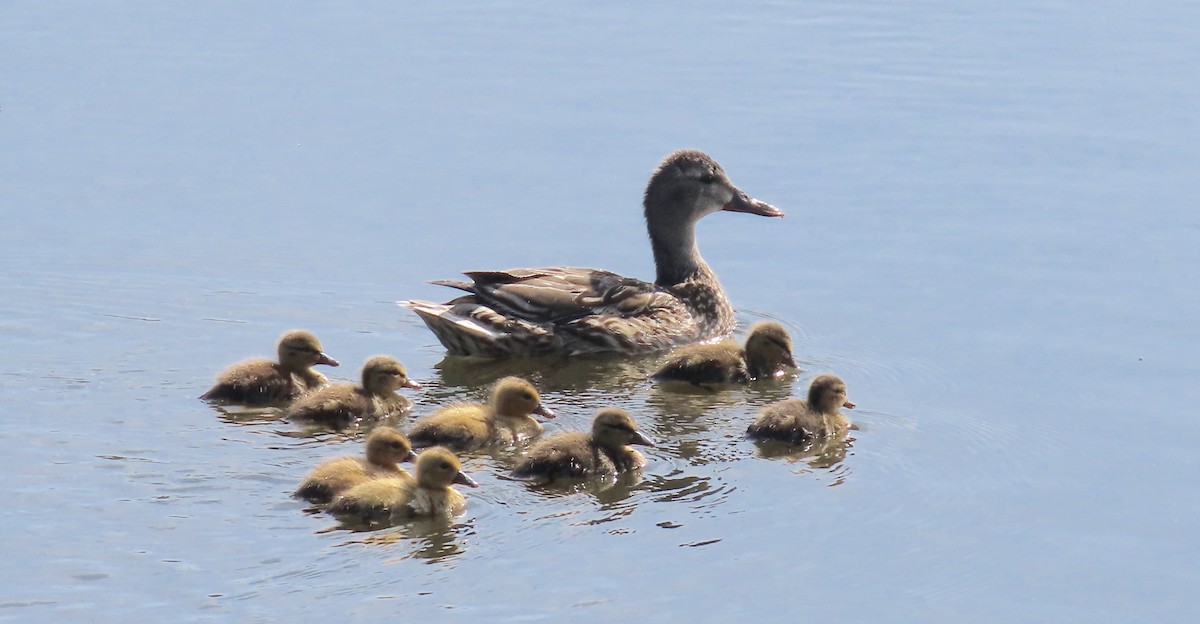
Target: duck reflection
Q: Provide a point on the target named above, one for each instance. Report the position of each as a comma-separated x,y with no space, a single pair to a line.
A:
432,539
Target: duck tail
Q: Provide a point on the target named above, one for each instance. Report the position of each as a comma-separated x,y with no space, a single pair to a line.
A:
461,335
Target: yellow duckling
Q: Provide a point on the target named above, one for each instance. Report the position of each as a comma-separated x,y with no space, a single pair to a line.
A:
468,426
578,455
385,447
344,404
260,381
394,500
797,420
768,349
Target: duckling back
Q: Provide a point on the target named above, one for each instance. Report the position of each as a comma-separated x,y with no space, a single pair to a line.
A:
337,406
255,382
373,501
719,363
459,426
564,456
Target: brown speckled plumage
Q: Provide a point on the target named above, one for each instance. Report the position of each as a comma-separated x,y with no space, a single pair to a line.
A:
799,420
577,310
263,382
343,405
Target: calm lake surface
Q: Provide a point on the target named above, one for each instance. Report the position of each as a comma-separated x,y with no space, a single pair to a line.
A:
991,235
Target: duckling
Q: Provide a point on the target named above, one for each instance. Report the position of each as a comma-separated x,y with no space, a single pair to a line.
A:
768,349
344,404
797,420
260,381
393,499
385,447
469,426
578,455
566,310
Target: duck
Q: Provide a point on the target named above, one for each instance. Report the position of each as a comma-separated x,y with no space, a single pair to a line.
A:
396,499
506,419
800,420
571,311
342,405
385,447
578,455
768,349
260,381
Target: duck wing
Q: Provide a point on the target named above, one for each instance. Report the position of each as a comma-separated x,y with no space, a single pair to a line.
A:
556,310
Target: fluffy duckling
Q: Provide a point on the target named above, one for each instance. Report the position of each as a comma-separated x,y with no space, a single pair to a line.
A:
768,349
468,426
578,455
260,381
385,447
344,404
392,499
797,420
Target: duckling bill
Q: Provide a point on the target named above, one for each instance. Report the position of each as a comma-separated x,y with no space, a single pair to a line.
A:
263,382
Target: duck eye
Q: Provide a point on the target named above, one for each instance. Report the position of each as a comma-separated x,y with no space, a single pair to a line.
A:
528,396
445,466
708,178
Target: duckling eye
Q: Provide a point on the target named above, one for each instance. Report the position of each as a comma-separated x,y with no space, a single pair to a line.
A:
528,396
445,466
708,178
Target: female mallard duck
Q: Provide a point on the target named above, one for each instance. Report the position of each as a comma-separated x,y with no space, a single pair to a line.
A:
572,310
578,455
344,404
394,500
797,420
385,447
260,381
768,349
469,426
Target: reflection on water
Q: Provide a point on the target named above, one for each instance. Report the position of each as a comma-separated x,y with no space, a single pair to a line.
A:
430,539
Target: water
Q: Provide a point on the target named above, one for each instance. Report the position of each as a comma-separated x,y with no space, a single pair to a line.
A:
990,237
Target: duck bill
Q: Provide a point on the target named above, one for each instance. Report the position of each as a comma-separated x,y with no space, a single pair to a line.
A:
742,202
462,479
790,361
544,411
411,385
640,438
322,358
412,457
848,405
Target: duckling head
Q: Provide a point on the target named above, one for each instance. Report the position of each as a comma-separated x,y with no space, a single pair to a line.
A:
385,445
300,349
827,394
516,398
383,375
768,347
438,468
615,428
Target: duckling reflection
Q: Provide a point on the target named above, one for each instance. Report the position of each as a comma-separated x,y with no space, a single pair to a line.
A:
768,349
259,381
385,447
799,420
506,419
393,500
343,405
433,539
577,455
595,373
